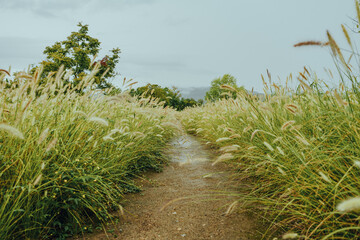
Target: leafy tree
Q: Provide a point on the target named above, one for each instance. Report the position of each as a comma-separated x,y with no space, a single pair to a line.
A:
76,53
215,92
171,97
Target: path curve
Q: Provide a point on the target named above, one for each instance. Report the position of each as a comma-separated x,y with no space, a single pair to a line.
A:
182,202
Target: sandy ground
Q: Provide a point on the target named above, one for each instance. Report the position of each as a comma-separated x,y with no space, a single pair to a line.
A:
185,201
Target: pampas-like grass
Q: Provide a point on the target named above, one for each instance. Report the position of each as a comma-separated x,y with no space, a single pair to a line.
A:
352,204
12,131
99,120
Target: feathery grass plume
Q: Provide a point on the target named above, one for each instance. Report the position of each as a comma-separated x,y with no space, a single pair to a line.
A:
278,139
23,75
247,129
129,144
37,180
305,69
230,148
339,99
307,87
253,134
281,171
235,136
80,113
223,157
11,130
346,35
280,151
287,124
302,140
324,177
264,83
290,235
357,163
228,87
51,145
332,43
303,76
311,43
268,146
352,204
4,71
291,107
231,208
117,130
199,130
99,120
108,138
43,136
335,49
223,139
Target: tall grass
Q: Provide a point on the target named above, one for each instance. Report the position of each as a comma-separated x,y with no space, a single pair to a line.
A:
67,154
299,146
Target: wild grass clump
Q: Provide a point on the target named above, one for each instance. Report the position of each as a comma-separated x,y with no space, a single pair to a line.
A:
68,153
299,146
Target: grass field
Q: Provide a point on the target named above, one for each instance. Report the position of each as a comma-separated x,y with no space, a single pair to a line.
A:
300,148
68,154
68,158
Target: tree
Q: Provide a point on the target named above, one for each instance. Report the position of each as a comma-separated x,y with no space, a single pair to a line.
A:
171,97
76,53
216,93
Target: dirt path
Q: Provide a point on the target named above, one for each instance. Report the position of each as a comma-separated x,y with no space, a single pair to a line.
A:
183,202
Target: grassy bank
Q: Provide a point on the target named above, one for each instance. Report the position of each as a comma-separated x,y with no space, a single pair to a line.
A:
67,155
299,146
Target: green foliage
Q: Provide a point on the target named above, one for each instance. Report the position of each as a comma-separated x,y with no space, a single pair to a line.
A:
66,160
170,97
76,53
215,93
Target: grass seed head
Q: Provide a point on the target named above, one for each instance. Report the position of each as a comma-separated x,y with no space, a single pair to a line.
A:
11,130
51,145
290,235
280,151
99,120
281,171
223,139
223,157
37,180
357,163
352,204
324,177
43,136
303,140
269,146
287,124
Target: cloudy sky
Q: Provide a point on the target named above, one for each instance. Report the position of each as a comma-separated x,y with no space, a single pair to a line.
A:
183,43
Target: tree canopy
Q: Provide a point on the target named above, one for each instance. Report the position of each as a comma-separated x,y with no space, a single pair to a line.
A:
215,92
77,53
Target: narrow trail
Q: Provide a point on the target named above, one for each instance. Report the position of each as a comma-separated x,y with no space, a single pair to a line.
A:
182,202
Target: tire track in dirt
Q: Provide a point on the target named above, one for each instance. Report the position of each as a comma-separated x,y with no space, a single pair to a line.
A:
185,201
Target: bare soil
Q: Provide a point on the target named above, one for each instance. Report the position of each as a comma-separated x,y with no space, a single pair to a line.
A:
186,201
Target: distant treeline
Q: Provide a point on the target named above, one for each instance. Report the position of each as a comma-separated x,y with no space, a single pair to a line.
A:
170,96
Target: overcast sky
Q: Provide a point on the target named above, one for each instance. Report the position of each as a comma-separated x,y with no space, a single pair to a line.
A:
183,43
